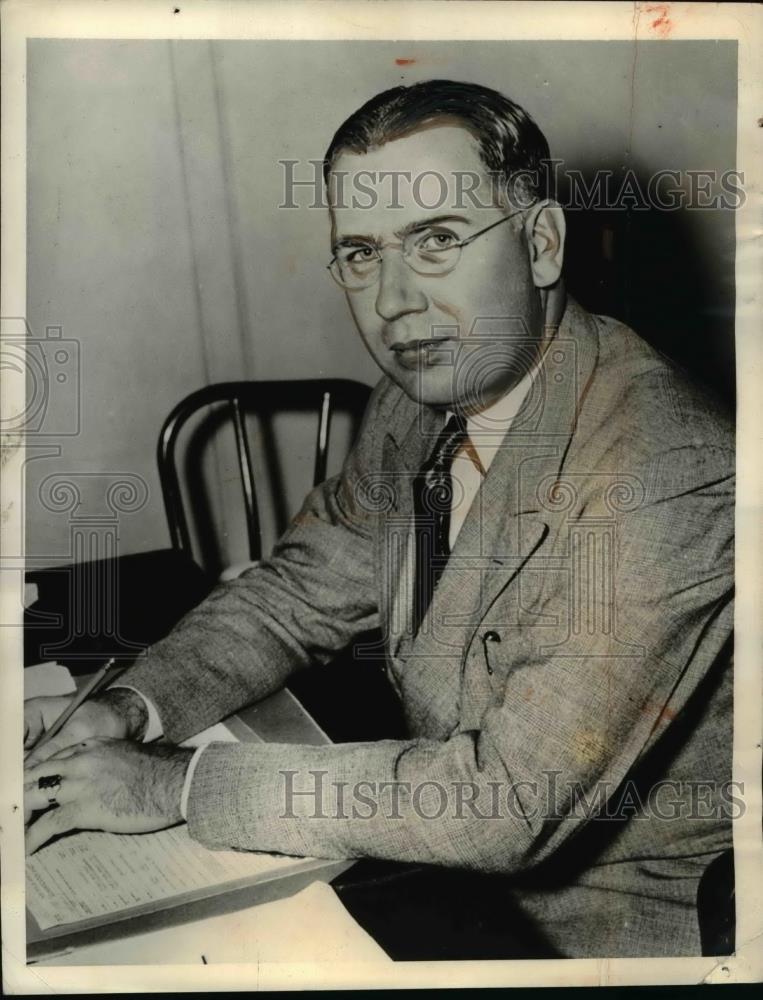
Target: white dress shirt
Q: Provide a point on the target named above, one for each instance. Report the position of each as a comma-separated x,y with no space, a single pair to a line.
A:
486,431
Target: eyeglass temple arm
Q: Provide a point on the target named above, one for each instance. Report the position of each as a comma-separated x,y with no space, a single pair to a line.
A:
473,237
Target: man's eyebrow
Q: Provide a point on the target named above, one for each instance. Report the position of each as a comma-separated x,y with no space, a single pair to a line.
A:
411,227
355,238
436,220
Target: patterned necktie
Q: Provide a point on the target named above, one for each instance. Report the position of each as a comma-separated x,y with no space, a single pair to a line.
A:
432,500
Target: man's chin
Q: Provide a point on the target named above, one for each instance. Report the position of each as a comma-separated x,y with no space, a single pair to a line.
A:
426,389
423,386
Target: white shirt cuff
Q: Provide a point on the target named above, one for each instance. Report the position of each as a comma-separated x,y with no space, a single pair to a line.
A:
154,729
189,779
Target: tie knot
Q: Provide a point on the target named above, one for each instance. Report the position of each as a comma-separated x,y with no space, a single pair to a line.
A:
451,438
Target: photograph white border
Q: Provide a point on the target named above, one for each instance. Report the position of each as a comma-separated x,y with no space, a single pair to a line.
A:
422,20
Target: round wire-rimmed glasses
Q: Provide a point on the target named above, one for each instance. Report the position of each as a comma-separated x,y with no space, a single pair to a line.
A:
426,250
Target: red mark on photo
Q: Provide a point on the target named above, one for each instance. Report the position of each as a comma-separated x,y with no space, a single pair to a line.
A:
405,62
662,23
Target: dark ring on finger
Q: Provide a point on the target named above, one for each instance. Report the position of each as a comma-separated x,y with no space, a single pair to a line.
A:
49,781
53,783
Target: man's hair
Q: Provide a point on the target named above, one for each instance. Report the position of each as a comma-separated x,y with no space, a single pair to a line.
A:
511,145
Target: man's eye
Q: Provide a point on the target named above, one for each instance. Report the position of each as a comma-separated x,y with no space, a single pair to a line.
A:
357,255
438,240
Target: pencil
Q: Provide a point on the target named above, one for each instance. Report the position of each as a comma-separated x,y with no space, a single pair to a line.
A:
92,685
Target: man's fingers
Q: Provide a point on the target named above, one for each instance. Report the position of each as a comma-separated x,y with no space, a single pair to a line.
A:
50,824
37,756
67,792
30,732
39,715
71,765
32,762
32,728
32,773
67,752
63,763
64,741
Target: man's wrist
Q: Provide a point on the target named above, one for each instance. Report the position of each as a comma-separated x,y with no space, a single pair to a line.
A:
154,728
168,779
129,707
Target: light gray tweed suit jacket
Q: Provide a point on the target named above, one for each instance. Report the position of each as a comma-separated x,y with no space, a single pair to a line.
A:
563,751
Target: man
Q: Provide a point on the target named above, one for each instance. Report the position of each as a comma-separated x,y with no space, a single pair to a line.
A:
538,514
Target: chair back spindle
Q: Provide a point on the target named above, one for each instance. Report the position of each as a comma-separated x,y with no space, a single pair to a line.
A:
247,481
322,444
324,397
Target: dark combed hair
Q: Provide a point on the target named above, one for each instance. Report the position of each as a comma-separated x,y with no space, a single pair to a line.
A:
511,145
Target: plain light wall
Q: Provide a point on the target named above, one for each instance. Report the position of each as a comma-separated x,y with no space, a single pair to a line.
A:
156,242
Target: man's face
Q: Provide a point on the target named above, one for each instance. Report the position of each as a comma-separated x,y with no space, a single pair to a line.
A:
453,339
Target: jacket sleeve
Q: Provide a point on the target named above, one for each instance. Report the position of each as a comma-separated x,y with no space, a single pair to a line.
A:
483,799
302,605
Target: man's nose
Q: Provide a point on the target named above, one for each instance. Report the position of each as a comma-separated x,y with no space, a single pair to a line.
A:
399,292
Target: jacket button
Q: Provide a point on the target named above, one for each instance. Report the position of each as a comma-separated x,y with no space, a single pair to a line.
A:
489,637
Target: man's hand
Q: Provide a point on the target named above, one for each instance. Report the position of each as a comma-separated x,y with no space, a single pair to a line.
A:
118,714
107,784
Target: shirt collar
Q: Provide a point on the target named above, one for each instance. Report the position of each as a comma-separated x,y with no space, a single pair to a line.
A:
488,428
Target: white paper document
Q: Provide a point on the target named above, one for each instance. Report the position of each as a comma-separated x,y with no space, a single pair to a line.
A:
92,874
310,926
96,874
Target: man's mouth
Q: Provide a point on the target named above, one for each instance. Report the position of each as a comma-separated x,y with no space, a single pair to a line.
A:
424,352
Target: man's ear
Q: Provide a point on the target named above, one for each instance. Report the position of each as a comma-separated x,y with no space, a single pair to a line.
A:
545,229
